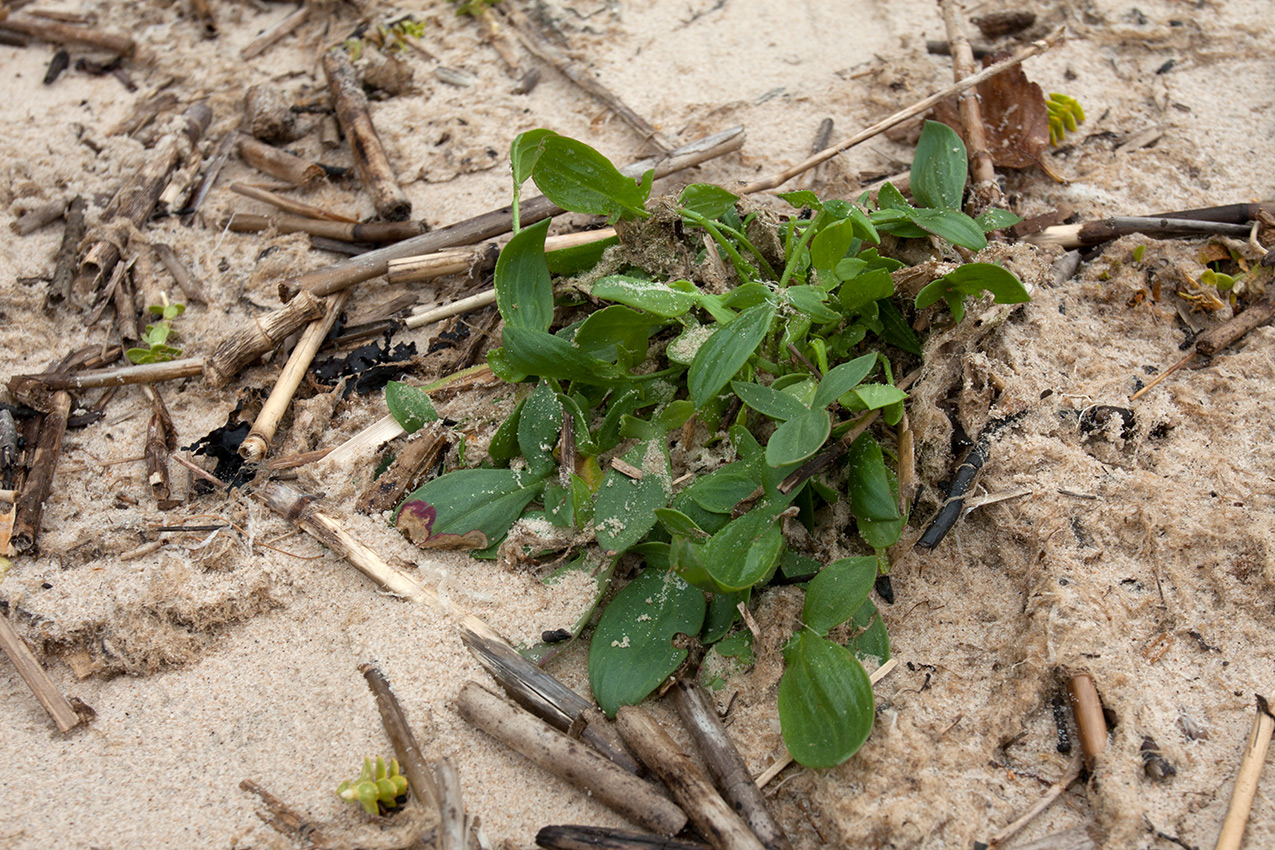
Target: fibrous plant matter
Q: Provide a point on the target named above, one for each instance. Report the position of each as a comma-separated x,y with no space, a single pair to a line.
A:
782,361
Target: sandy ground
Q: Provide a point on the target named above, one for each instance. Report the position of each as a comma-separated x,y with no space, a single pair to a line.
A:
214,660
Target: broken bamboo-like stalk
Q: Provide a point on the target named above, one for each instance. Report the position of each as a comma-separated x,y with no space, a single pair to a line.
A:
370,160
145,373
262,334
601,838
985,191
44,462
406,749
254,447
612,786
424,267
135,200
1055,791
263,42
540,47
36,217
545,696
288,205
1104,230
161,441
699,716
420,452
57,706
492,224
1091,725
279,163
924,105
58,32
723,828
286,820
451,806
181,275
1259,740
68,253
377,232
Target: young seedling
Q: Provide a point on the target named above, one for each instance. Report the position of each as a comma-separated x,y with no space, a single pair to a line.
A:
157,335
378,789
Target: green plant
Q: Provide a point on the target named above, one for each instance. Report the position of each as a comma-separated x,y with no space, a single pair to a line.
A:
779,374
157,335
1065,113
473,7
378,789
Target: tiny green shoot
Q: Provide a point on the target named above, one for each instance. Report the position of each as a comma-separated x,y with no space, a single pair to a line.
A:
1065,114
157,335
378,789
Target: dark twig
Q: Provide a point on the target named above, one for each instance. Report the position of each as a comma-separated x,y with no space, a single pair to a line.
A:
262,42
215,163
190,287
59,709
379,232
285,820
600,838
68,253
420,452
954,504
277,162
57,32
1096,232
48,450
408,752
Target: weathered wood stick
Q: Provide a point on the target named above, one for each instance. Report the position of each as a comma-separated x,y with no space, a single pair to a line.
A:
1096,232
419,452
378,232
985,191
44,463
1227,213
287,821
215,163
135,200
1091,726
257,443
406,749
492,224
429,266
902,115
691,789
600,838
146,373
451,806
1055,791
570,759
57,32
1259,740
262,335
1254,317
356,123
59,709
279,163
542,694
161,440
68,253
699,716
262,42
288,204
36,217
185,280
540,47
456,308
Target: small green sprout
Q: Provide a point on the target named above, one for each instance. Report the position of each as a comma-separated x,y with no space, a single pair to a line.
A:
378,789
157,335
473,7
1065,113
1138,252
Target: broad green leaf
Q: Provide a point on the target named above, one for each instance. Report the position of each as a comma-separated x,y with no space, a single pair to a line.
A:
939,168
896,330
867,288
745,552
707,200
726,352
465,509
722,614
796,566
524,292
838,592
746,295
649,295
677,523
524,152
890,198
995,219
578,178
538,429
632,650
798,438
825,701
955,227
802,198
864,228
768,401
566,262
971,279
410,406
538,353
504,443
873,396
872,639
617,333
721,490
871,496
625,508
810,300
841,379
829,247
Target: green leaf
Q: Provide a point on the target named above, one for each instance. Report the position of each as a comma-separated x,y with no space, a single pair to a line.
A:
955,227
830,245
632,652
896,330
649,295
465,509
504,443
841,379
538,429
707,200
994,219
867,288
726,351
802,198
871,496
872,639
939,168
617,333
625,508
723,611
769,401
890,198
409,405
971,279
825,701
566,262
535,352
525,152
798,438
810,300
677,523
873,396
579,179
724,488
744,553
838,592
524,291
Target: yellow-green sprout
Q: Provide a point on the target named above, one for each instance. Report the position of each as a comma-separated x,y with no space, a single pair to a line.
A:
377,789
1065,113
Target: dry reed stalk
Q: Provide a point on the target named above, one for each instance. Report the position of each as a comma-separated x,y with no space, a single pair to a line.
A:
288,204
44,463
262,335
370,160
279,163
985,191
1091,726
1232,835
57,32
262,42
420,779
57,706
377,232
